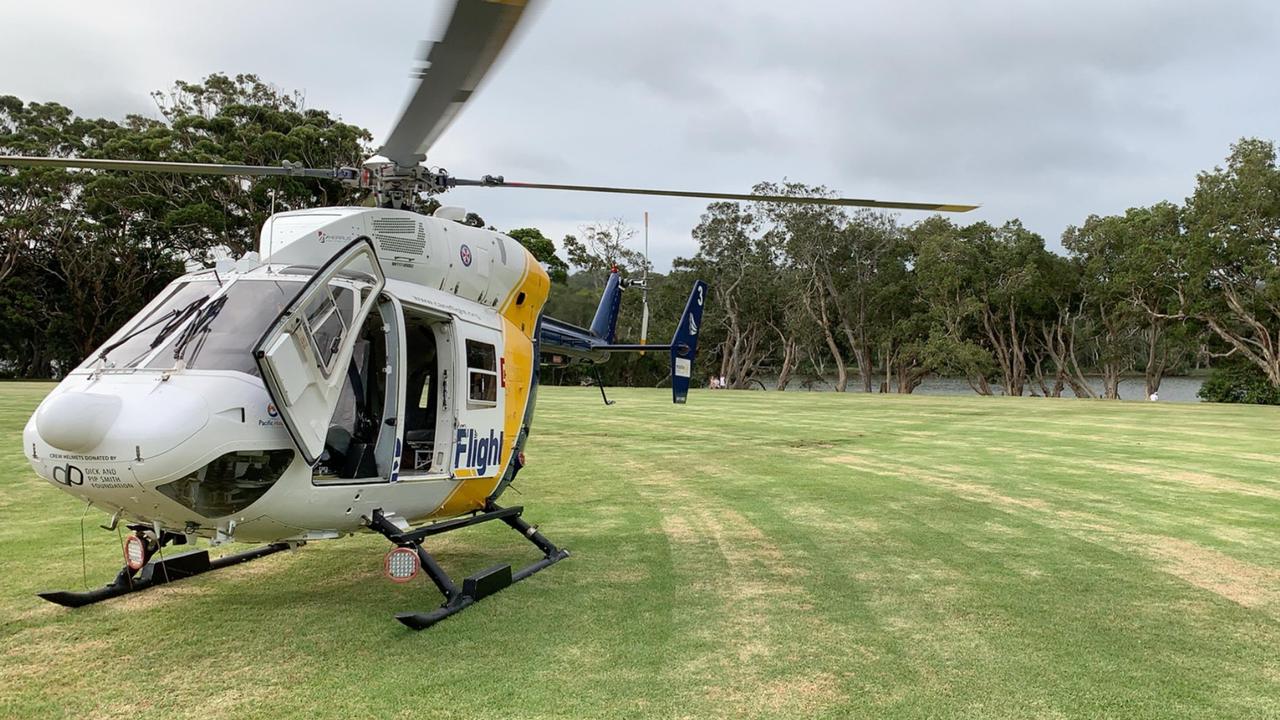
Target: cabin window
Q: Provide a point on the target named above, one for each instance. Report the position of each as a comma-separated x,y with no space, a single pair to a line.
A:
355,446
328,316
482,373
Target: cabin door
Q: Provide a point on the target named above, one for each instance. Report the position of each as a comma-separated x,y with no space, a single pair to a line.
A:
479,440
429,372
305,353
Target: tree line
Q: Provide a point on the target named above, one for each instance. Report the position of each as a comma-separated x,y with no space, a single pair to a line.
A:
801,294
861,301
81,252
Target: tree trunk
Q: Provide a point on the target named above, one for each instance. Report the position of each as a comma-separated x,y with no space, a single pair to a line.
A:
842,375
790,358
1156,357
819,313
1111,381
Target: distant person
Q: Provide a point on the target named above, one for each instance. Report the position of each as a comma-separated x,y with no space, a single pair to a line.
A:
723,385
715,383
1155,396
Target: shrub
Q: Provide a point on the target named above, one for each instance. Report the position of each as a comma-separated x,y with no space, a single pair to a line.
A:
1239,382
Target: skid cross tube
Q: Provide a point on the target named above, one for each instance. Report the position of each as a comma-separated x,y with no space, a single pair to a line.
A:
477,586
158,569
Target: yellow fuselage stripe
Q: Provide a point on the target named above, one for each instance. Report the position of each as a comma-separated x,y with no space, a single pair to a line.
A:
519,318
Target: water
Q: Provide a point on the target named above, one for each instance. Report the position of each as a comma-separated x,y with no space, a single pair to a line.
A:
1172,389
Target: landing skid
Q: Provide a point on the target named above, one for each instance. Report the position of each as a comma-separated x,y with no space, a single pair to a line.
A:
600,383
158,569
477,586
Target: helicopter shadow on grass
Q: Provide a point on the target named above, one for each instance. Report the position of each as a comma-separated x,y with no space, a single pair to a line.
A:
328,583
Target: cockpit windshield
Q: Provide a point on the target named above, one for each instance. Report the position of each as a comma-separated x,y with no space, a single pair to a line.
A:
209,327
149,329
224,330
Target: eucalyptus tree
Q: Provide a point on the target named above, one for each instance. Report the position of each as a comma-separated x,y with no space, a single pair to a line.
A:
984,285
1128,264
751,294
851,272
1228,260
234,119
1063,333
1102,248
601,246
871,285
34,201
810,238
947,268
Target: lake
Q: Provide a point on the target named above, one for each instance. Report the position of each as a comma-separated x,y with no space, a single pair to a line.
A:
1172,389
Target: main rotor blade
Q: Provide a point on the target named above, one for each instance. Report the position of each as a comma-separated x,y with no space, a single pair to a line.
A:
800,199
452,70
168,167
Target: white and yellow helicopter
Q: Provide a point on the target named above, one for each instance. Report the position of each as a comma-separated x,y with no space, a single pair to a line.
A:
369,369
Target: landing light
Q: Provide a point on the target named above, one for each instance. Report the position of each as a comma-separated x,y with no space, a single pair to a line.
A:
135,552
401,564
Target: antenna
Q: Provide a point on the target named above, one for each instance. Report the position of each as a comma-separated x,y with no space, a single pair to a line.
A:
644,285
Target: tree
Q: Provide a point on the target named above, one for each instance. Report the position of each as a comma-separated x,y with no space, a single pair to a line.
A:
947,268
81,251
745,316
809,238
543,250
1125,262
602,247
985,286
1228,260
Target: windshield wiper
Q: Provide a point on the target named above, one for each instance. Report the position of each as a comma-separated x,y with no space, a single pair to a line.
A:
174,318
176,323
199,326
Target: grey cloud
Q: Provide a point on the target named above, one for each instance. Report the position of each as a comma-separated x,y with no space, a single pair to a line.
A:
1046,111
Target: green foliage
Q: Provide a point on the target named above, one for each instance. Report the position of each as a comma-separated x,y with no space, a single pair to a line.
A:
80,251
544,250
602,247
1239,382
1228,259
815,293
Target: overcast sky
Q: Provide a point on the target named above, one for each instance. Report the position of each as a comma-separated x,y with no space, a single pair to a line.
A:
1045,111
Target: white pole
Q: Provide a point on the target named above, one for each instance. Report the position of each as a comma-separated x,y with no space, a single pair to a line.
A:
644,285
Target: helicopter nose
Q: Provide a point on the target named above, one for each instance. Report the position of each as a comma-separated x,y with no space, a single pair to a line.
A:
77,421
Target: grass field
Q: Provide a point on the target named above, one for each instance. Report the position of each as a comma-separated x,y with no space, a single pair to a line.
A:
749,555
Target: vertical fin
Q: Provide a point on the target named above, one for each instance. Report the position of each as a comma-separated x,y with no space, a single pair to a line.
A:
684,344
605,324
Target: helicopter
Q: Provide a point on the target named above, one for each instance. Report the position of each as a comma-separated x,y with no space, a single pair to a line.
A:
368,369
